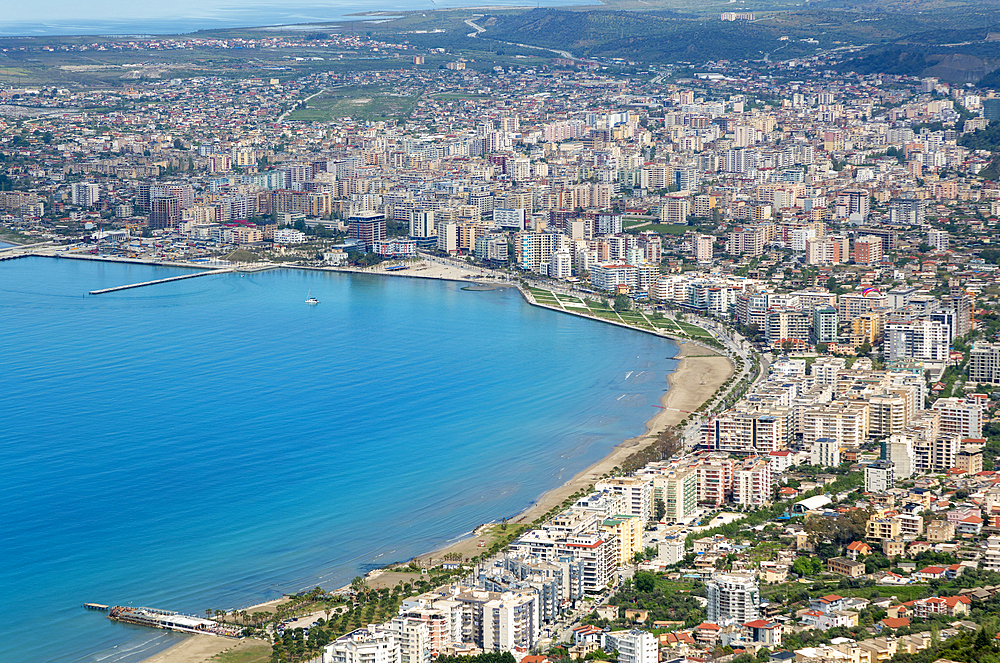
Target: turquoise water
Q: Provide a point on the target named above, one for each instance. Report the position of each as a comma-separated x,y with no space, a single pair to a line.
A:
214,442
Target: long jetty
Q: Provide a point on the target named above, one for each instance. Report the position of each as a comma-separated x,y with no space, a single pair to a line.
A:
166,280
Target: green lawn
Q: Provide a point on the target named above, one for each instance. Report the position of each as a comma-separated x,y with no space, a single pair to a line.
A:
368,103
248,651
693,330
668,229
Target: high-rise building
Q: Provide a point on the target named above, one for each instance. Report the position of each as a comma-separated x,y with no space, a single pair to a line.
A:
703,248
422,225
633,646
367,228
824,324
509,219
926,340
164,212
991,109
908,211
86,194
753,483
732,599
938,239
984,363
678,490
959,417
825,452
868,250
511,622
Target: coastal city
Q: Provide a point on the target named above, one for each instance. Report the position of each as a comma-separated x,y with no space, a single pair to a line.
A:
820,482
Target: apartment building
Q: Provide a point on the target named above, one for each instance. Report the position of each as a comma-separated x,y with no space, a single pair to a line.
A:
364,645
511,622
637,491
846,422
754,483
984,363
879,476
959,417
732,598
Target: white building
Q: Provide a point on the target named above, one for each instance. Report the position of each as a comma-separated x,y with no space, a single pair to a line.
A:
959,417
289,236
612,276
365,645
561,264
899,451
511,622
412,636
825,452
422,224
938,239
637,491
509,219
926,340
633,646
984,363
879,477
447,237
732,599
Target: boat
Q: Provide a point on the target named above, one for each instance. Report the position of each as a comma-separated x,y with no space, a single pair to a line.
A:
312,300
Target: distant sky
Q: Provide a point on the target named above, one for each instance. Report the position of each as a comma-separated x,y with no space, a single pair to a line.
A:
30,17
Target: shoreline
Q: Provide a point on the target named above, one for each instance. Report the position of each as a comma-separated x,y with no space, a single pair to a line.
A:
694,360
676,403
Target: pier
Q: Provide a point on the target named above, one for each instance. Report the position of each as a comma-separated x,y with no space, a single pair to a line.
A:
166,280
171,621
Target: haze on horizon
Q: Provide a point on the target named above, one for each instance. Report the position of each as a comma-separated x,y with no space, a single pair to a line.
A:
64,16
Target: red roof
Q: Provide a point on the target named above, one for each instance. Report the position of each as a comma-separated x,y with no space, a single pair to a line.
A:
709,626
760,623
895,622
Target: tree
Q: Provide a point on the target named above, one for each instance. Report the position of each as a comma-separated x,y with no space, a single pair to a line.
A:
660,509
622,303
359,584
645,582
807,566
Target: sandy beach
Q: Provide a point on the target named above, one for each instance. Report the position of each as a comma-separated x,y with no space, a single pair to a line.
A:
700,373
201,648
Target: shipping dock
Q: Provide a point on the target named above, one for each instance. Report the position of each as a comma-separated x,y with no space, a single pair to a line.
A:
172,621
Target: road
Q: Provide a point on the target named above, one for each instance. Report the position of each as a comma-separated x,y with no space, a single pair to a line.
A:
480,29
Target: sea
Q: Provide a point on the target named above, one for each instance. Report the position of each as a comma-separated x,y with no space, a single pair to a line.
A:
215,442
123,18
